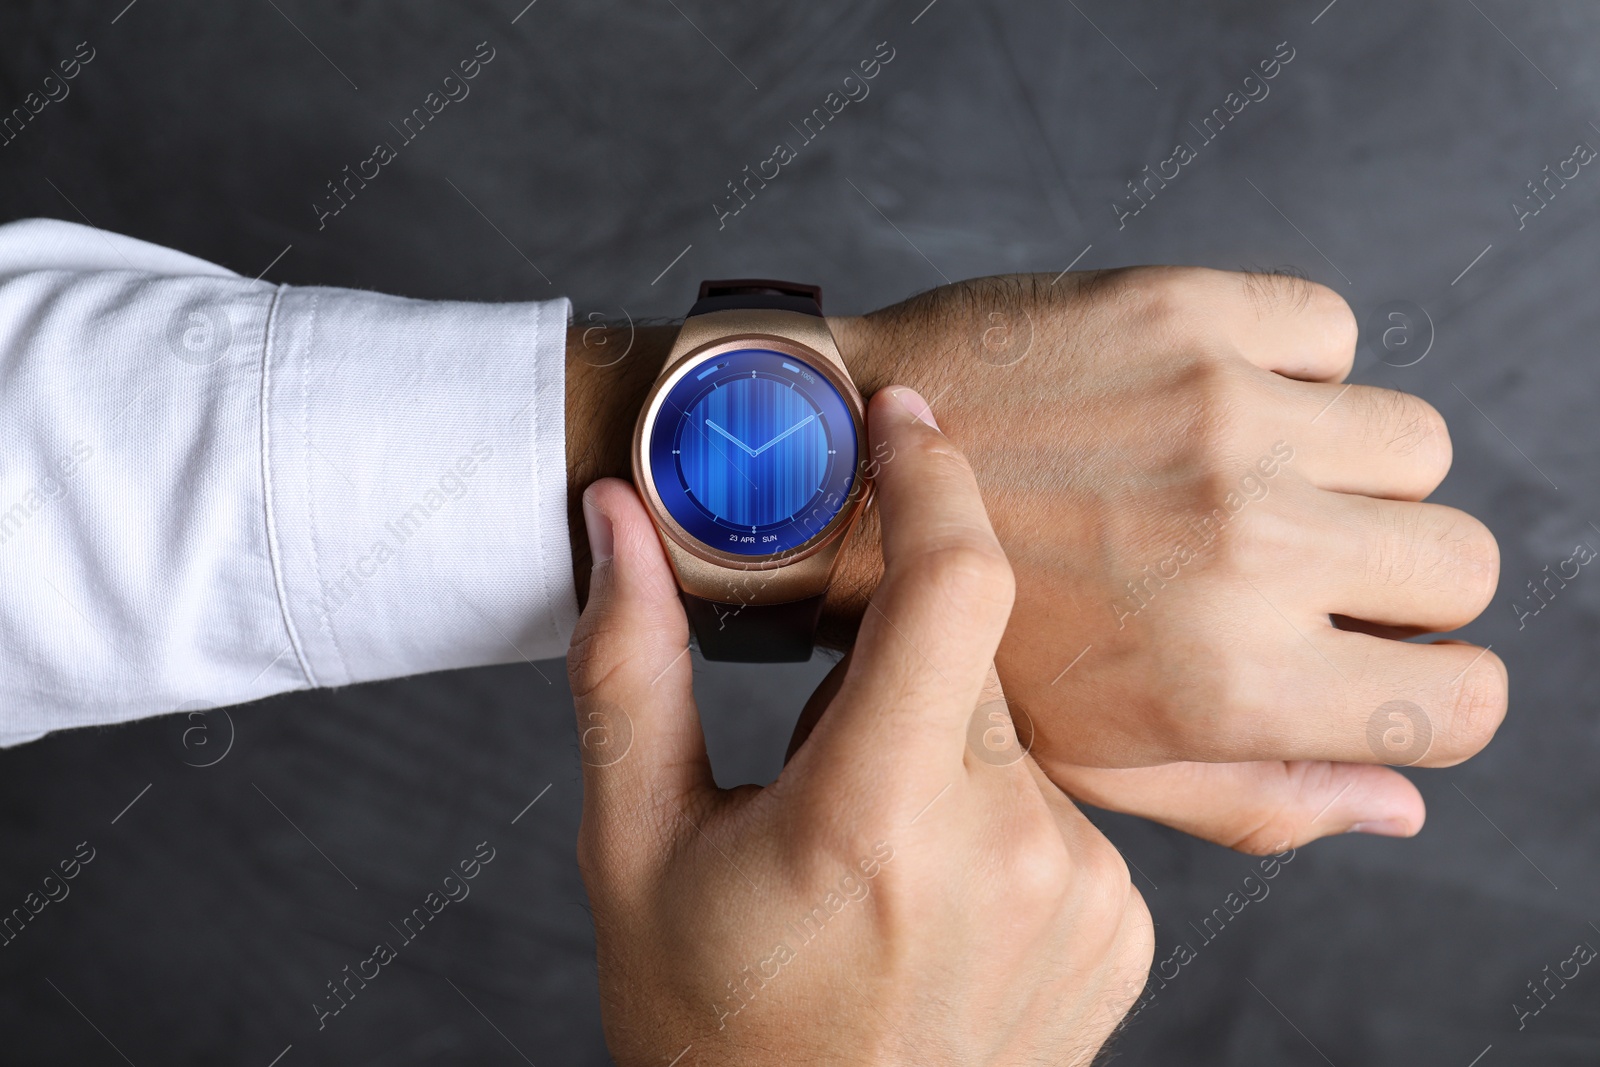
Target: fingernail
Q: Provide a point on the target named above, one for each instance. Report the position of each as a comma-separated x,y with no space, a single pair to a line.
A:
601,538
916,405
1382,828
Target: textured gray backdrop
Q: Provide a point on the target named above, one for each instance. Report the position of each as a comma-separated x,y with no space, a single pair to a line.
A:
996,140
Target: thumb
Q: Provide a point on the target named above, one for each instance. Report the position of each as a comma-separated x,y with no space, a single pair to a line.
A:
639,733
1255,807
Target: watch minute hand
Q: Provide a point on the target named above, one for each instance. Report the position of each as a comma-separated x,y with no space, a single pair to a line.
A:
782,435
730,437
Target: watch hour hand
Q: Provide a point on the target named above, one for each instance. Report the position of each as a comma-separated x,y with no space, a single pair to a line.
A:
784,434
730,437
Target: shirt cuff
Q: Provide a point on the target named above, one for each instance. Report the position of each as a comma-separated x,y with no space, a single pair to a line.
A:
414,463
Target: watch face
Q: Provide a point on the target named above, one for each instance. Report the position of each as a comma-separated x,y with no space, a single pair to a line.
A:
753,452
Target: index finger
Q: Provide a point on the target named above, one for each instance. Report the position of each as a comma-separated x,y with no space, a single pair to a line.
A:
934,622
1278,321
1294,327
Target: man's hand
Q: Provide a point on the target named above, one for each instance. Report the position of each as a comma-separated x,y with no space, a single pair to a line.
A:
1215,544
898,895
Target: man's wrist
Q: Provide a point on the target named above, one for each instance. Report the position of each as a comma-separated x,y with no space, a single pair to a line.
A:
609,371
872,366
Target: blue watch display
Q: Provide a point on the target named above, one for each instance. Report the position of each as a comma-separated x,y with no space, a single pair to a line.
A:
753,452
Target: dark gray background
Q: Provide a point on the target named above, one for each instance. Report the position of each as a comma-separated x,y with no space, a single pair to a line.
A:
995,141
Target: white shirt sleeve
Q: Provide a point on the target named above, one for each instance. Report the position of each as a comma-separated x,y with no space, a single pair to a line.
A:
214,489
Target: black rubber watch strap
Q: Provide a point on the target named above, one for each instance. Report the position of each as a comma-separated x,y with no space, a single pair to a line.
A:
761,293
749,633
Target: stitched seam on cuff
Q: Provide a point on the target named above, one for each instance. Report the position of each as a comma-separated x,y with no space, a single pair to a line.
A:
552,618
311,497
266,482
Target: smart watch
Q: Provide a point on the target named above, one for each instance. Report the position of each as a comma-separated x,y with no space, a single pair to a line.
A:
750,455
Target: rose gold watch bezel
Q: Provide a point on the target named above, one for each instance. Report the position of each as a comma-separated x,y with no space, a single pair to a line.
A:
828,368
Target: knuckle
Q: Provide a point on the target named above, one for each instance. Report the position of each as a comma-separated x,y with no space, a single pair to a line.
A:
1412,429
1478,705
1319,310
1121,286
1277,291
1337,320
1441,547
1166,300
1174,296
1473,556
1138,941
1103,879
1041,871
1320,306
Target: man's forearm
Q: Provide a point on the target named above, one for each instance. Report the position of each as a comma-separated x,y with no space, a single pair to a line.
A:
343,486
